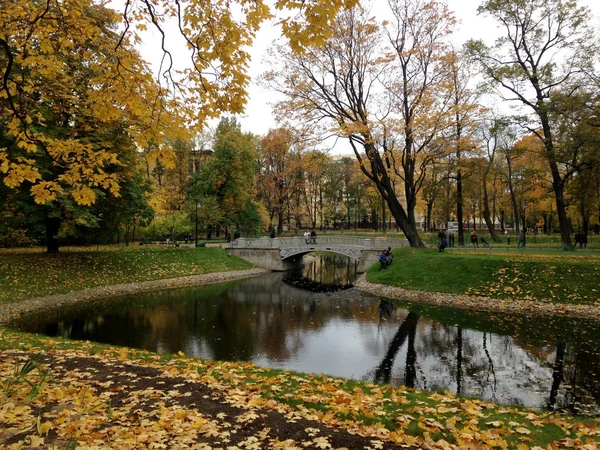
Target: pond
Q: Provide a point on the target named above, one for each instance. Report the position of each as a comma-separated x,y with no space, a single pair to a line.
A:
313,320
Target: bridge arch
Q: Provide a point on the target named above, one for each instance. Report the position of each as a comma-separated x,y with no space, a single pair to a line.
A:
286,253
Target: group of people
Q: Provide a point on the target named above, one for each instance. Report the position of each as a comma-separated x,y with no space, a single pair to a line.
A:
475,242
385,258
236,234
310,236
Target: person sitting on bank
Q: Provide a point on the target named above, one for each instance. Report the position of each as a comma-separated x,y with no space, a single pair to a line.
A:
383,260
389,256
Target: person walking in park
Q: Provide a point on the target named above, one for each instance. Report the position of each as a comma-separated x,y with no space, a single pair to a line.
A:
441,237
474,240
521,239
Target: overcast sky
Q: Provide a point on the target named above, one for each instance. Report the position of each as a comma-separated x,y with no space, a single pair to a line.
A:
258,118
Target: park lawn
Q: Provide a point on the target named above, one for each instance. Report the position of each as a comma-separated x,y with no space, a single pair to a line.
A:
543,277
404,416
25,274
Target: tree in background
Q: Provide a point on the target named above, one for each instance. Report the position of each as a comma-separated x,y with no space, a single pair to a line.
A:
225,185
525,63
278,163
315,164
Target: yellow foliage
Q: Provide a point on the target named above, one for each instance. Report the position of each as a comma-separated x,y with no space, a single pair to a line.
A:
80,72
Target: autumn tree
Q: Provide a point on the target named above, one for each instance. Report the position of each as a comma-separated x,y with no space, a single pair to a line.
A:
390,127
314,165
278,163
74,97
422,70
68,69
524,62
494,137
465,118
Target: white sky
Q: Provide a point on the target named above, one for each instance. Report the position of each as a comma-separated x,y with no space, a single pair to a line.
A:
258,118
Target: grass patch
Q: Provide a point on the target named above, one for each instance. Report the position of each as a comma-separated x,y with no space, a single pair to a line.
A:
571,279
25,274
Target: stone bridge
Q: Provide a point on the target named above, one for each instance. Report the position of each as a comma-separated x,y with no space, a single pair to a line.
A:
286,253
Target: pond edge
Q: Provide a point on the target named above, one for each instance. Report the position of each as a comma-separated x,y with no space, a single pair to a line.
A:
12,311
479,303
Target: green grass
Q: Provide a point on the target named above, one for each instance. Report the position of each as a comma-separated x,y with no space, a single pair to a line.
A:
25,274
537,277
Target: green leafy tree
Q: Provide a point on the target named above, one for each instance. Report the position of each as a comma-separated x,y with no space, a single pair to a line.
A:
227,179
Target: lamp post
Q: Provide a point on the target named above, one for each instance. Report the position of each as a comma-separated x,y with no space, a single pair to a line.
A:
196,238
524,224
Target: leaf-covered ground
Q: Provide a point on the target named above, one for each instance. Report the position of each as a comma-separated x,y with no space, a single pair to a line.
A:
25,274
551,278
84,395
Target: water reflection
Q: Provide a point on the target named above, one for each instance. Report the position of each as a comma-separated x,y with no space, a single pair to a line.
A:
542,363
324,273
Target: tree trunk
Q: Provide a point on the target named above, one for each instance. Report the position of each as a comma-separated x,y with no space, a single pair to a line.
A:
459,208
52,228
378,174
561,209
557,181
486,211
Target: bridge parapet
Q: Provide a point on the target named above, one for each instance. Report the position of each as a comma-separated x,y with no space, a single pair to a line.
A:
321,241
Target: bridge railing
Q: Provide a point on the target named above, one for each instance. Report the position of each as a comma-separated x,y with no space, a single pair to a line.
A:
321,242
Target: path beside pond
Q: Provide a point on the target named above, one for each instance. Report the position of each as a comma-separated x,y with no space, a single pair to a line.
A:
479,303
11,311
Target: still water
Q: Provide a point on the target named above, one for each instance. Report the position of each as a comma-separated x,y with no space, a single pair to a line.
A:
314,321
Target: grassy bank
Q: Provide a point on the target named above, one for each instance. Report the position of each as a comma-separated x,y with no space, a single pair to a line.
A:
405,416
537,277
26,274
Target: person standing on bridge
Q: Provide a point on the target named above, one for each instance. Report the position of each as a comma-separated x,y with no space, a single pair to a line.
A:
313,237
307,237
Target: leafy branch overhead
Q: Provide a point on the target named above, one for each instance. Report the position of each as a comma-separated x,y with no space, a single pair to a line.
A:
70,71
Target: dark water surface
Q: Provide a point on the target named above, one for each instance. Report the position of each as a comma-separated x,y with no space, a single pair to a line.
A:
282,321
